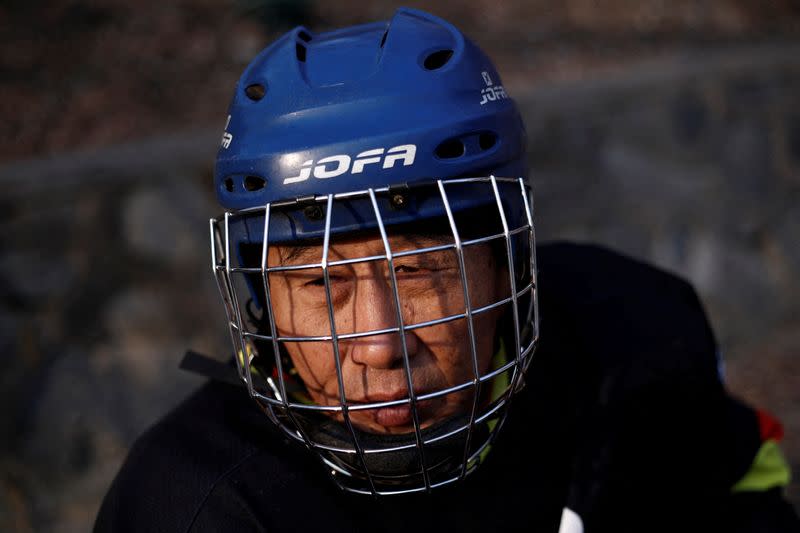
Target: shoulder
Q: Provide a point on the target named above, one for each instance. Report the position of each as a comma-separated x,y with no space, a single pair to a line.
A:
588,274
634,336
636,340
623,307
179,464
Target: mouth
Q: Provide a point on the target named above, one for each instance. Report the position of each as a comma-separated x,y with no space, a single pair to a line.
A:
403,415
394,417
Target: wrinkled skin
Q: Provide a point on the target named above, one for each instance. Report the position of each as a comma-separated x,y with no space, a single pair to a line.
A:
362,295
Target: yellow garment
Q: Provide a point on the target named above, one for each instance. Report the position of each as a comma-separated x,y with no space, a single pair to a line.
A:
768,470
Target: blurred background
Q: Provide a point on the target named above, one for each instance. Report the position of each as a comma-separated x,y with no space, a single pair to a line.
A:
667,130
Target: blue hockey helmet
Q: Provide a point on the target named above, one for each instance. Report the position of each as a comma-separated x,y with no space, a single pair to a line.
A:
382,125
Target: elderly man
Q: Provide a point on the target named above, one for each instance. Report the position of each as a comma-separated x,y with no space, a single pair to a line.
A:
378,267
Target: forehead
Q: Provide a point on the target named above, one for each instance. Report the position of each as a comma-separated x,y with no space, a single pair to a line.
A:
355,247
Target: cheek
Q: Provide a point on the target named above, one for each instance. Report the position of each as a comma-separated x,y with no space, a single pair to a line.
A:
452,350
314,363
282,304
450,346
485,332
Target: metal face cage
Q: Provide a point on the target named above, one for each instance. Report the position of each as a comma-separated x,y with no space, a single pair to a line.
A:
450,428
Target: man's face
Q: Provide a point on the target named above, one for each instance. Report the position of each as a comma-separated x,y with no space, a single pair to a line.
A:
429,287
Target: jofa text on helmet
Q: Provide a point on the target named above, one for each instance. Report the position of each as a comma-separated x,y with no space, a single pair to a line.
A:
336,165
226,136
491,92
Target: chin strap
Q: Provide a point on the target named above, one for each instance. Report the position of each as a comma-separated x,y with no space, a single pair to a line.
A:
209,367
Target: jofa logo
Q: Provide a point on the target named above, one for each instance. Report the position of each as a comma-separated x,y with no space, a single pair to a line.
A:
336,165
491,92
226,137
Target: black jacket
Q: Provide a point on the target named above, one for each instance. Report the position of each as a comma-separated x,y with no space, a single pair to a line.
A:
624,420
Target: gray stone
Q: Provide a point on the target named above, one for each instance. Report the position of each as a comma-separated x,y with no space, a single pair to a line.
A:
793,137
169,223
35,276
747,92
139,321
9,325
737,282
747,157
787,235
85,416
689,117
138,311
563,140
65,411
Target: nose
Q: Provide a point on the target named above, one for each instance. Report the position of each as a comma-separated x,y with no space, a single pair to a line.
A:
375,309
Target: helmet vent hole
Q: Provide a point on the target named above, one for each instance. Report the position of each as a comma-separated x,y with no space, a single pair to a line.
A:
383,39
254,183
255,92
229,184
487,140
450,149
304,36
438,59
300,51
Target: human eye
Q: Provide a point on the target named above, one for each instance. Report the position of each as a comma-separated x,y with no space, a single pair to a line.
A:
406,269
423,265
315,282
311,289
423,272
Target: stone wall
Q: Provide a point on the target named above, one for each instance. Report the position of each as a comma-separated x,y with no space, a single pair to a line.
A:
687,155
105,281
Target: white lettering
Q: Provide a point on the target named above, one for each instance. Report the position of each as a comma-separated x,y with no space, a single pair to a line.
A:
490,94
406,152
226,140
365,158
305,173
343,164
226,137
